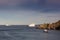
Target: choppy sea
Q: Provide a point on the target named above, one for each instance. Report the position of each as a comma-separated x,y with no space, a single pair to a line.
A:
27,33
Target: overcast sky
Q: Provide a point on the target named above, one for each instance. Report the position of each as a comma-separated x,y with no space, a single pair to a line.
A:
25,12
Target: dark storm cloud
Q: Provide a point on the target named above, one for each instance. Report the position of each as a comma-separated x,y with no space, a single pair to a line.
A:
29,1
43,5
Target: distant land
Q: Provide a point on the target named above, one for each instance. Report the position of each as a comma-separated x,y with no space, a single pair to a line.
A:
53,26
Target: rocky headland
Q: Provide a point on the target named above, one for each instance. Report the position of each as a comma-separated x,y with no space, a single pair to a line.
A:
52,26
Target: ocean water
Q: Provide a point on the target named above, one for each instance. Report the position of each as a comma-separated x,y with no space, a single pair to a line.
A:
26,33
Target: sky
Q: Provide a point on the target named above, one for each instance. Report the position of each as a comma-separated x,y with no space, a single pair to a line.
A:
25,12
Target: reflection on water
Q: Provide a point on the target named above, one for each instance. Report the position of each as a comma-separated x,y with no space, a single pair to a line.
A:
26,33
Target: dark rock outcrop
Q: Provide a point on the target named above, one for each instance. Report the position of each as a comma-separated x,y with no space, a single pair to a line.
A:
53,26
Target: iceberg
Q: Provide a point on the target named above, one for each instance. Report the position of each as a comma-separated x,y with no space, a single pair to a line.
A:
31,25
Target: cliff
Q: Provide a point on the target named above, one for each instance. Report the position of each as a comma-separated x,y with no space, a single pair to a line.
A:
53,26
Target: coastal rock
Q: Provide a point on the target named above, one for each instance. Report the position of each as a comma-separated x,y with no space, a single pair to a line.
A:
53,26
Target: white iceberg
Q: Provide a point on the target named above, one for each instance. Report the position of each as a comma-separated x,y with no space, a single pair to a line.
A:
31,25
7,25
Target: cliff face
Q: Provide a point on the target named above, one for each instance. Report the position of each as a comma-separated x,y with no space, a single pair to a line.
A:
57,25
44,26
54,26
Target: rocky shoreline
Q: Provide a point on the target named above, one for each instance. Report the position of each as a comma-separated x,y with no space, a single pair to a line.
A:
53,26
